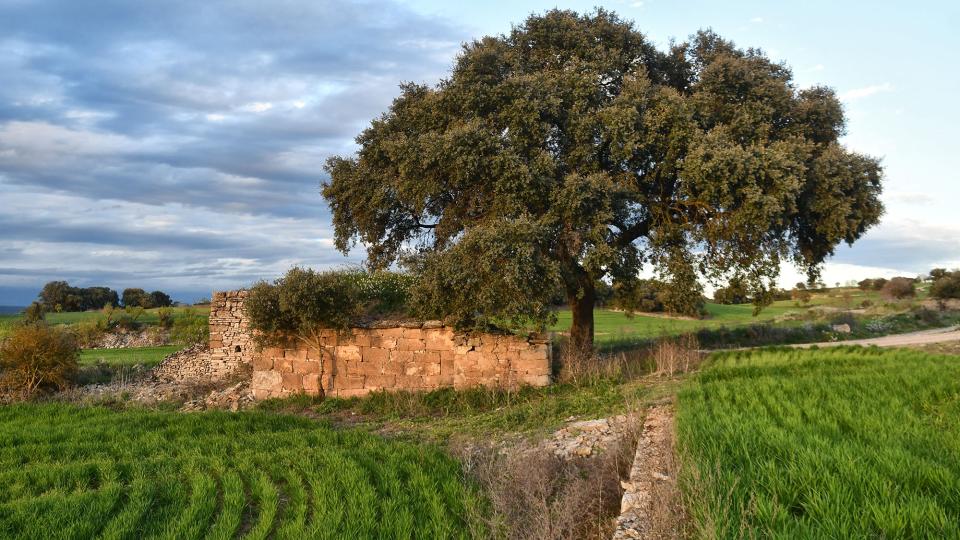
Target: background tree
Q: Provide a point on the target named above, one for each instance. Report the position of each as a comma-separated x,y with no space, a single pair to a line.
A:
734,293
575,145
160,299
938,273
135,297
947,286
899,288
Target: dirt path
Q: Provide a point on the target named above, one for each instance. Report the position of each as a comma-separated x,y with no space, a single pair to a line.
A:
923,337
650,507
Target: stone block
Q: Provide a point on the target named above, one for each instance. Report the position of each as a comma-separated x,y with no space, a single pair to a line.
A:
406,344
384,342
414,369
375,354
380,381
292,382
260,393
307,366
348,353
311,384
536,380
390,332
412,333
267,380
283,365
438,341
262,363
351,392
362,340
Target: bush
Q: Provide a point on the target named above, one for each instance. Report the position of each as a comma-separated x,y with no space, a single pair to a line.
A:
899,288
87,333
128,320
303,302
34,313
946,286
190,329
165,317
36,358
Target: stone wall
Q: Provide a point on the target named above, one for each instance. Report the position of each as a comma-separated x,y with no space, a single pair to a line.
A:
231,342
414,357
230,351
387,356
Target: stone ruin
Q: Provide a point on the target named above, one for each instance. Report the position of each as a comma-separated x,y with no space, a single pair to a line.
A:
388,355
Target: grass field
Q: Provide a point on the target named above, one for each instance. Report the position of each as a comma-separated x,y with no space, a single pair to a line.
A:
149,316
82,472
839,443
147,356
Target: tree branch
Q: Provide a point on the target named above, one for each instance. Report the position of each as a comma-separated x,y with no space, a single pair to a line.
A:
629,234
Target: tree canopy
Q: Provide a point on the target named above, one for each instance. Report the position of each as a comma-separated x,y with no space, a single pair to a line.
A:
572,150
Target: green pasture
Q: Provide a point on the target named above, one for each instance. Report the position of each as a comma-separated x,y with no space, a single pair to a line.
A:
147,356
839,443
72,472
149,316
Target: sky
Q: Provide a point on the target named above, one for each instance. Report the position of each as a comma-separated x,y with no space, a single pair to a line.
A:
179,145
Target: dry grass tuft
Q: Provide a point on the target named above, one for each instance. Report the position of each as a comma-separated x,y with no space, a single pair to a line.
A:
674,356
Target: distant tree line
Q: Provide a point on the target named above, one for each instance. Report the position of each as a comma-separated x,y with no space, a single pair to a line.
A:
61,296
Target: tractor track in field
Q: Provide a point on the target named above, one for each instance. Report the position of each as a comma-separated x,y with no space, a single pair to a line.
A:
922,337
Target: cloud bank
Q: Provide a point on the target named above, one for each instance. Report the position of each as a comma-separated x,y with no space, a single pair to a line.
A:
181,145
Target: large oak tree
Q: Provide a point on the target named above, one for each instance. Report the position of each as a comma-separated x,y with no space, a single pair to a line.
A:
572,150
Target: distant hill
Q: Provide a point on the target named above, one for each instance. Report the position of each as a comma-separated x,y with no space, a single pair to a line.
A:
10,310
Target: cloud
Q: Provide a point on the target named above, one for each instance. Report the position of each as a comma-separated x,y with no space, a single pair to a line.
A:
184,146
756,20
866,91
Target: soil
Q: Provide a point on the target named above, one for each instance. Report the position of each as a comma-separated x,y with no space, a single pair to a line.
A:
923,337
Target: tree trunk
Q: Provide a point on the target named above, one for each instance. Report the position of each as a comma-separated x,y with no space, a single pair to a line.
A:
581,306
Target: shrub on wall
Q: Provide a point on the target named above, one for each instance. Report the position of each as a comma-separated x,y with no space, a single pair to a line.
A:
36,357
304,302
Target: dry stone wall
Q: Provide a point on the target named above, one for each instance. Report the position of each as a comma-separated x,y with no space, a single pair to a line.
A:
229,353
390,355
414,357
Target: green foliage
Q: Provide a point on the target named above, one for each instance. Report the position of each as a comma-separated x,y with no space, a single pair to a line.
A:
165,317
899,288
498,275
946,286
190,328
34,313
704,159
159,299
301,303
645,295
91,472
938,273
734,293
136,297
35,358
871,284
836,443
87,332
381,293
60,293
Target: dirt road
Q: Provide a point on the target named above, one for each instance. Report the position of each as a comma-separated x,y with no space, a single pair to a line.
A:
937,335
